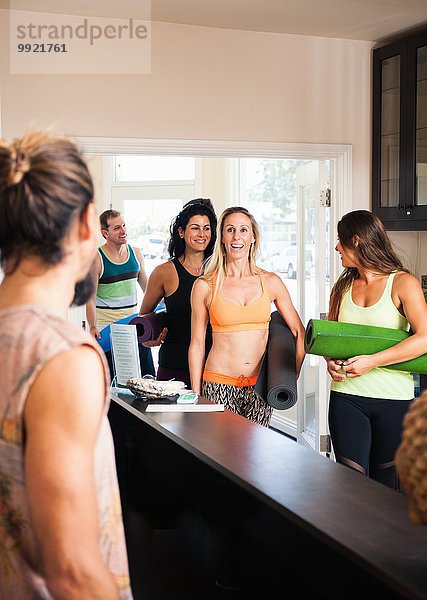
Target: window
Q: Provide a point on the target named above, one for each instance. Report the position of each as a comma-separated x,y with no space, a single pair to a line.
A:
268,189
154,168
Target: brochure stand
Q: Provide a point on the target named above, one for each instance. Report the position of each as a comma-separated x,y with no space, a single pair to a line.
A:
124,353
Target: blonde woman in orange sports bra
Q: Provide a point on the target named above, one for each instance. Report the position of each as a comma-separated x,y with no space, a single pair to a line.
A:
236,296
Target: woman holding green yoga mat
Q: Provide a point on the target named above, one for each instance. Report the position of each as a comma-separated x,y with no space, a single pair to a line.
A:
367,401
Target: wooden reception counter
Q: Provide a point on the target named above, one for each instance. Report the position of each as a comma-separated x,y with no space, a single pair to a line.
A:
299,511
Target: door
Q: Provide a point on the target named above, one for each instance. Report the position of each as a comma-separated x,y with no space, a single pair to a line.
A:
296,241
314,242
148,212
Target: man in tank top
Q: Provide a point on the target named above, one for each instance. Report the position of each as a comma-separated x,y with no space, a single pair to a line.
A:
119,269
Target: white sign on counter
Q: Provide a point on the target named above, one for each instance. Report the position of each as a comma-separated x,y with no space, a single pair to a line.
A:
124,347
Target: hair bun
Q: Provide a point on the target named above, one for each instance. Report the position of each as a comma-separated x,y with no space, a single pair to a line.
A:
19,165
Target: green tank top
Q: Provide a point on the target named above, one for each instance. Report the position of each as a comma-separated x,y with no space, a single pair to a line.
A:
117,283
379,382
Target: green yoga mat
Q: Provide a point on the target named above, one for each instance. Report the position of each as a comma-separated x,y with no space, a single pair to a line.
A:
345,340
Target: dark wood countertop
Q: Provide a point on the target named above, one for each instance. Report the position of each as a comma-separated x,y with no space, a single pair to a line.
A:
361,520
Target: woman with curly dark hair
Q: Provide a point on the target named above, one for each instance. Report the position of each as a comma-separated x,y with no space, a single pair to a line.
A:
192,238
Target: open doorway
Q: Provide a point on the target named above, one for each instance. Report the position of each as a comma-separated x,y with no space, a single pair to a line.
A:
275,182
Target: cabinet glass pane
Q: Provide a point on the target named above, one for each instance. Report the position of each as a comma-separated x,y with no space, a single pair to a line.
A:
390,131
421,129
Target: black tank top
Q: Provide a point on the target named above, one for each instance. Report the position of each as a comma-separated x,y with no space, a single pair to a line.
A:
173,354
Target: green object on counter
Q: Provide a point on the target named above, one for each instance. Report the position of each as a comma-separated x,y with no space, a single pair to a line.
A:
345,340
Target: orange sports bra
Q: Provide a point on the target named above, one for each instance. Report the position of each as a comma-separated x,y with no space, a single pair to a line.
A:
227,316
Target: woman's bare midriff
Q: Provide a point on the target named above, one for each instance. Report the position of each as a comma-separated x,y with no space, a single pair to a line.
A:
237,353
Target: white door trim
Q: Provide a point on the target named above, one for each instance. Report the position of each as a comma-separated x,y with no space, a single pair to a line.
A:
340,154
209,148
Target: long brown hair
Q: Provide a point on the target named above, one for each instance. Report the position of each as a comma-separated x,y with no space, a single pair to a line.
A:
374,251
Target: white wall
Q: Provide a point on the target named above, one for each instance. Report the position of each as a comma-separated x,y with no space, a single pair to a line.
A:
215,183
412,247
214,84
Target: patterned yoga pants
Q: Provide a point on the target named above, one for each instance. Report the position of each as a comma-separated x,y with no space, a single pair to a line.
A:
243,400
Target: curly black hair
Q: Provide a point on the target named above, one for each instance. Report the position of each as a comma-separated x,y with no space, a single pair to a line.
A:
197,206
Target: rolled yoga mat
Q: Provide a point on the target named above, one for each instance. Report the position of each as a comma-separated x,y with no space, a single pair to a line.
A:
149,326
345,340
105,341
277,379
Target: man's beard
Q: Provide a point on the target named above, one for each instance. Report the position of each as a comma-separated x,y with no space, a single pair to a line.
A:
84,289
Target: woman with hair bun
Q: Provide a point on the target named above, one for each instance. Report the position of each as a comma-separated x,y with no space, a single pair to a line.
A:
61,533
368,402
192,237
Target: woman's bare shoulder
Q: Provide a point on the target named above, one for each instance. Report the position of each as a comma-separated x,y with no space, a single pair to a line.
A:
403,278
202,284
164,269
270,276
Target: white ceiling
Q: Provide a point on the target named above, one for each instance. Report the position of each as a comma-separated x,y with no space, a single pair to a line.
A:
371,20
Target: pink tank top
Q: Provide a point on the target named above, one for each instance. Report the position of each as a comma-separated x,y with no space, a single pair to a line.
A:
29,337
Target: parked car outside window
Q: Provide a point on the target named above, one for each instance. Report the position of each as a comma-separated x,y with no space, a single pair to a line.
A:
153,246
286,262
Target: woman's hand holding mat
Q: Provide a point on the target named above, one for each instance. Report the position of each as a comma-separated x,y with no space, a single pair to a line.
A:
150,327
346,340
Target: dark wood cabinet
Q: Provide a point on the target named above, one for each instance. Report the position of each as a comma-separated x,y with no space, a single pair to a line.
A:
399,174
